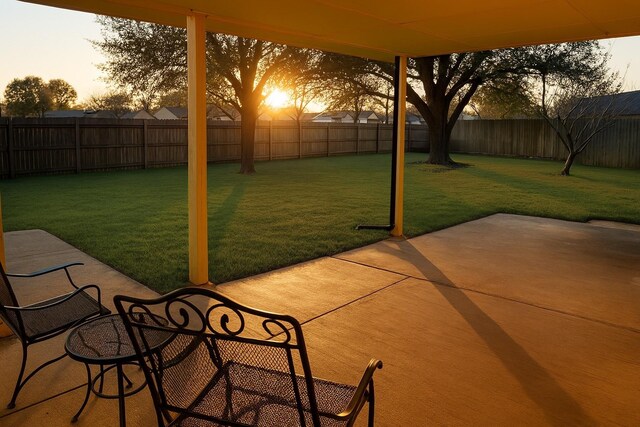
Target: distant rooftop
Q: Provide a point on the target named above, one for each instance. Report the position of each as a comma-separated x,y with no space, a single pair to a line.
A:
622,104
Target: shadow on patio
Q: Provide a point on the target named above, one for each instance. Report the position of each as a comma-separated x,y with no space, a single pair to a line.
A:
503,320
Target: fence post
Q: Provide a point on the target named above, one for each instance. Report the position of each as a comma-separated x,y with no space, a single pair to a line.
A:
10,152
145,142
409,138
299,139
377,137
270,139
328,141
357,138
78,151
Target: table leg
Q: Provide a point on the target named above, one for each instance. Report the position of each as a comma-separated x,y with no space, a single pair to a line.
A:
126,378
86,396
123,422
101,378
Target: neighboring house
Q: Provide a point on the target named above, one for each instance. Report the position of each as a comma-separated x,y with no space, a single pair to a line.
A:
141,115
171,113
286,114
346,117
216,113
334,117
66,114
625,104
101,114
410,119
279,114
71,114
465,116
369,117
308,117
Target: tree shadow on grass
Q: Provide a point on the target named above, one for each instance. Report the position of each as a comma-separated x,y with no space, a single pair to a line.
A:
531,186
559,407
220,219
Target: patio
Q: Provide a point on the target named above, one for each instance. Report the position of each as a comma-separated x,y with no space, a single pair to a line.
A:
503,320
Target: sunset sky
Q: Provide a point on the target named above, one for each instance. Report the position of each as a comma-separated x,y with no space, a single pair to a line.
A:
54,43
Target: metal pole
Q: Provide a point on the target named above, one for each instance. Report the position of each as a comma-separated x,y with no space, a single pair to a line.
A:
397,155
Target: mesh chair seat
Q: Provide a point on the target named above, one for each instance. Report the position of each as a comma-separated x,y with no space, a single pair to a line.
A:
61,316
256,396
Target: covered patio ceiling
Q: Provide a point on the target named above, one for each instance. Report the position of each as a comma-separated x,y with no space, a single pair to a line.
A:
382,29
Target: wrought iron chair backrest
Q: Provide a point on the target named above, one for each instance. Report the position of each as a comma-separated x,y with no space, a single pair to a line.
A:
8,299
215,340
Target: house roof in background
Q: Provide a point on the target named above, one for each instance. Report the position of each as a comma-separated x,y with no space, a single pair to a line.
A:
179,112
306,117
380,29
65,114
140,114
623,104
342,114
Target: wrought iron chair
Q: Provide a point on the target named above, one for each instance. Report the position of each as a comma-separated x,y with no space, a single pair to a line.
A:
43,320
232,365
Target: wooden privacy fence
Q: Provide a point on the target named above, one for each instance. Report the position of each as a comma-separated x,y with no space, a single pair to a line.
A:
37,146
617,146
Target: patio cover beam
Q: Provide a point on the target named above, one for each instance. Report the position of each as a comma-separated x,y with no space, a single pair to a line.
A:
382,29
197,156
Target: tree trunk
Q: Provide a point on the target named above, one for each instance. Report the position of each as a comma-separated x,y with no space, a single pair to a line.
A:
247,141
439,146
568,163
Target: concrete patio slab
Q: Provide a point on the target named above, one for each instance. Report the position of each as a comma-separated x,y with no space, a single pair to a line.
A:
310,289
524,321
454,357
581,269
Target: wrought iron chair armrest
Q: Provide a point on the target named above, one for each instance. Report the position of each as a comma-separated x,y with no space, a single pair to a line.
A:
50,270
357,402
58,302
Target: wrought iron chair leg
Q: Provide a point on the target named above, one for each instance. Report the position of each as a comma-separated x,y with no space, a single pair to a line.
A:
19,384
371,404
86,396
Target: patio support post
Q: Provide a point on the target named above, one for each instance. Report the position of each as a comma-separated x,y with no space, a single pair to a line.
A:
4,329
399,114
197,156
2,257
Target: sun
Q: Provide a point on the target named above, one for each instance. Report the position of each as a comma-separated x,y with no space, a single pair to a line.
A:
277,99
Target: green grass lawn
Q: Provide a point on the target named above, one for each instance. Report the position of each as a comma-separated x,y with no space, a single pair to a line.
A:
136,221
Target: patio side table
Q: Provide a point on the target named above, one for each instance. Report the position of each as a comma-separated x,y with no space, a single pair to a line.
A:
104,341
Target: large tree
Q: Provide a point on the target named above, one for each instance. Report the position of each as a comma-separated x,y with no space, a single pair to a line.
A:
150,59
305,84
440,87
353,84
506,99
240,70
62,94
27,97
118,103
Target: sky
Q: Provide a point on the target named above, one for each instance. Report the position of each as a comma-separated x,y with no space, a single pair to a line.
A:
55,43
